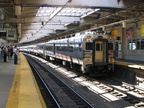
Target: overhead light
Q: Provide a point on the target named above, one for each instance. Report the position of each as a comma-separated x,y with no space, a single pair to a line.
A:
45,11
89,13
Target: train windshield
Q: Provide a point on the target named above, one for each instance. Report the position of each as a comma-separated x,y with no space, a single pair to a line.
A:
88,46
110,46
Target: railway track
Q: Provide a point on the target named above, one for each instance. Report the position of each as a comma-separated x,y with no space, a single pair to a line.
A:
54,89
109,89
128,92
118,89
114,89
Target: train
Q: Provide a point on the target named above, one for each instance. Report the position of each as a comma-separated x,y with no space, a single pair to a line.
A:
90,52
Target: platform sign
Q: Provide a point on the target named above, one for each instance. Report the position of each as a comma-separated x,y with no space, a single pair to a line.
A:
17,20
142,30
129,32
115,33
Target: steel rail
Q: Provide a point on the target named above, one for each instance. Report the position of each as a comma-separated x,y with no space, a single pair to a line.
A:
49,91
83,99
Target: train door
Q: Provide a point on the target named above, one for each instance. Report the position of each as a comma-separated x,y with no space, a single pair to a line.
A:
100,51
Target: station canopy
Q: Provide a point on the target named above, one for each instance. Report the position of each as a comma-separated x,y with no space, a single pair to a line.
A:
40,20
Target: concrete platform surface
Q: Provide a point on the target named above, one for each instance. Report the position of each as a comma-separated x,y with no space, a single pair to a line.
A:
18,88
7,72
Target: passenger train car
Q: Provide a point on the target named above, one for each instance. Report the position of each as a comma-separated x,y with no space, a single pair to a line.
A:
90,52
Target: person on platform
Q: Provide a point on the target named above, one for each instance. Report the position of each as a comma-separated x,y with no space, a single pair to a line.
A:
5,52
1,53
11,51
16,52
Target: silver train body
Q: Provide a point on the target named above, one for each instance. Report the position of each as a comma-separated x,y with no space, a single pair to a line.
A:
91,53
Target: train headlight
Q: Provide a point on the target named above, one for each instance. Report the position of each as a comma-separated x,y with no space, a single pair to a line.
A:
109,67
87,60
88,37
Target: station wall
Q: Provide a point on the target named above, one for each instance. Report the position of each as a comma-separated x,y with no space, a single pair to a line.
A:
129,40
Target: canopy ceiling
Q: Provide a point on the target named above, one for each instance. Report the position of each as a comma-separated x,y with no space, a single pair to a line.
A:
45,19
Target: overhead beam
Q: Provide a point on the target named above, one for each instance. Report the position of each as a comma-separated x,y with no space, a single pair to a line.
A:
84,3
55,19
46,27
33,31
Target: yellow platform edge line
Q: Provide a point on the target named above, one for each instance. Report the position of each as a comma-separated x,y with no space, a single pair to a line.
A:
121,63
39,93
22,95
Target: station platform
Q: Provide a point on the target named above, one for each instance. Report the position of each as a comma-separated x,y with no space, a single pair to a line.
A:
130,71
130,63
18,86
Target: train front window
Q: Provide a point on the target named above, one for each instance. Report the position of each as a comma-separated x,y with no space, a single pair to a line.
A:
110,46
88,46
98,47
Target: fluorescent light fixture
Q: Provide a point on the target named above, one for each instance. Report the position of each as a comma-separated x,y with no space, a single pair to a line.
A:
52,11
45,11
89,13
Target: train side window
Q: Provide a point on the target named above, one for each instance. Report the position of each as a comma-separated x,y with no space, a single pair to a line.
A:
142,44
98,47
48,47
70,48
80,47
66,48
138,44
88,46
110,46
58,48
